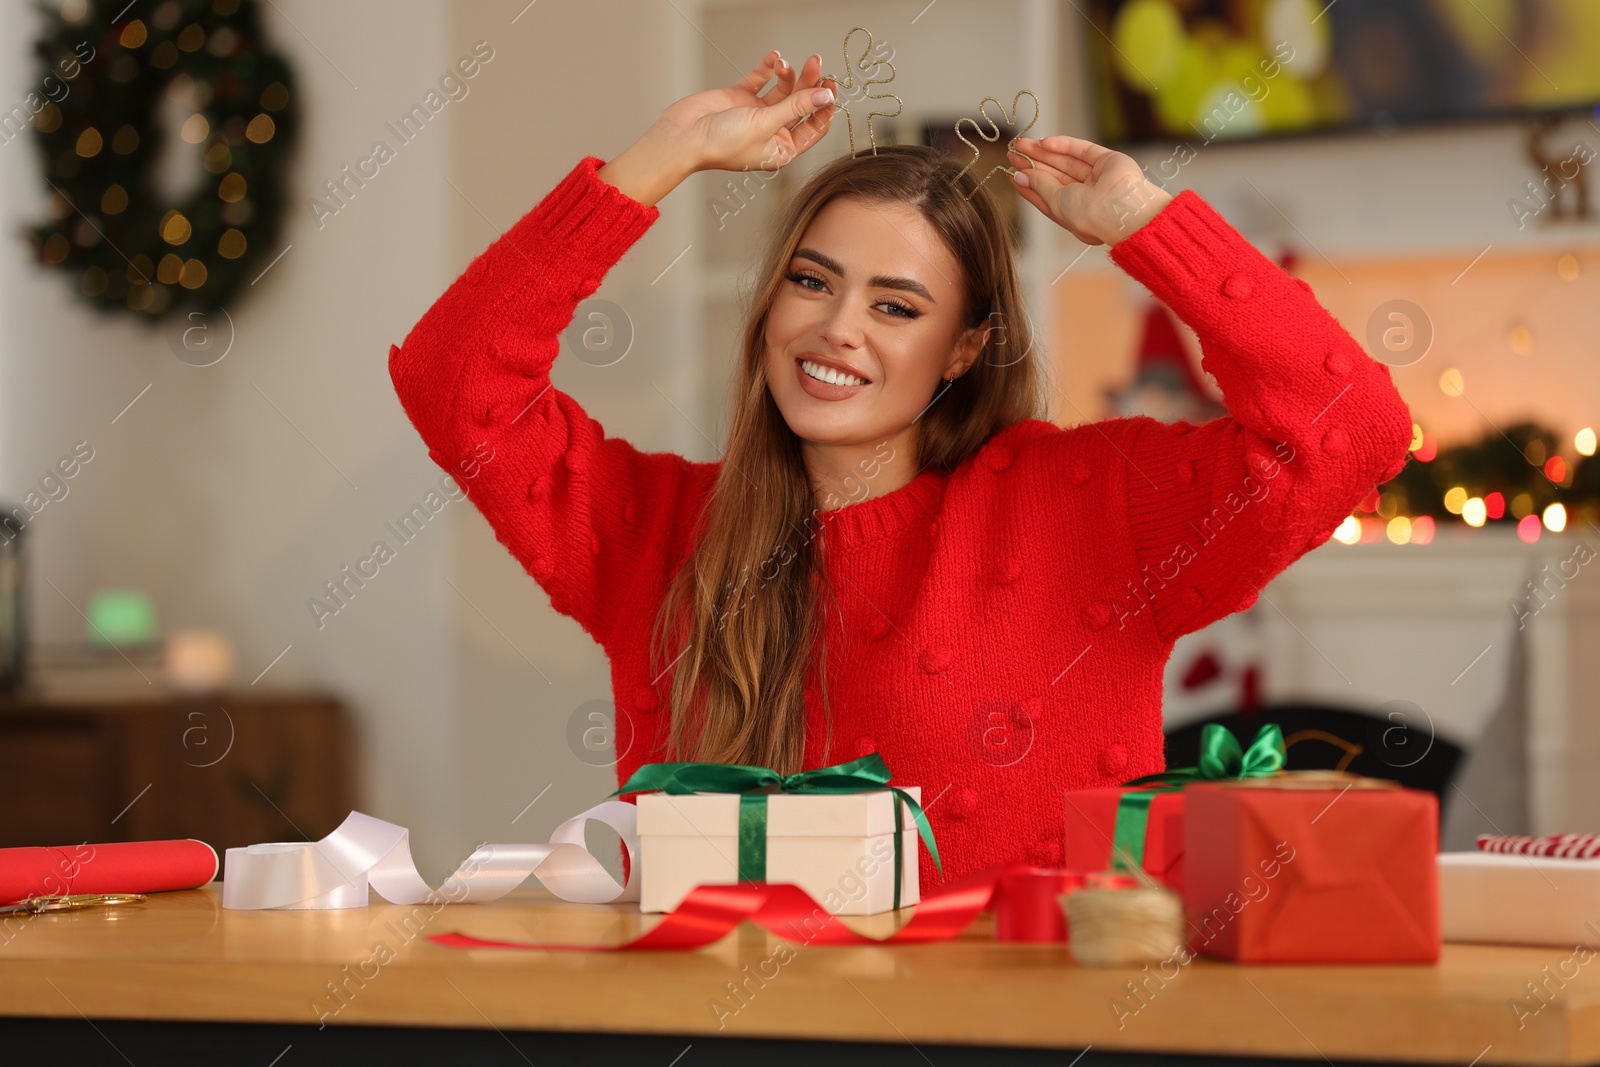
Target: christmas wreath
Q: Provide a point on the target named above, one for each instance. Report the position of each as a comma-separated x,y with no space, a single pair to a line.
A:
97,126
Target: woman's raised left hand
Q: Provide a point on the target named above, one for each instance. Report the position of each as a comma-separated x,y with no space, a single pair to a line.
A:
1098,195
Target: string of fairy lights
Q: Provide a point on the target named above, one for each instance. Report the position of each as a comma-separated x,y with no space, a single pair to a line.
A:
1378,517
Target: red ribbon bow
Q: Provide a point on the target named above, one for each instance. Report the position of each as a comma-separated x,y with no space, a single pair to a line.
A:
1023,899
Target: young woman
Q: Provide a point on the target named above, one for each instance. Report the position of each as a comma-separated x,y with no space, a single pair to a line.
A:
896,551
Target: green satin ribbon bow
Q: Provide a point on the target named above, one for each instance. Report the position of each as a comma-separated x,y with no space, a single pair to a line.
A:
1220,757
755,784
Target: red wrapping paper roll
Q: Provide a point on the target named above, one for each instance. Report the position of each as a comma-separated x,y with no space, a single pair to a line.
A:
116,867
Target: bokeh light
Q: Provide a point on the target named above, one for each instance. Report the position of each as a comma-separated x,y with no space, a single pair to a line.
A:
1150,40
1299,25
1520,339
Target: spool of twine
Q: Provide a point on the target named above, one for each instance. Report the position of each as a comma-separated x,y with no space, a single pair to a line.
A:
1114,927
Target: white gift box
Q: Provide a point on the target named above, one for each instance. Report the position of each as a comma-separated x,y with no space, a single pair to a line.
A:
1513,899
838,847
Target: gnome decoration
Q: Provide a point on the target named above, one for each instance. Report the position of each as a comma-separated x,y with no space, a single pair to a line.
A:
1165,386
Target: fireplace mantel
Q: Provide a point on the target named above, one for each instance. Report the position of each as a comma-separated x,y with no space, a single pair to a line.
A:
1363,625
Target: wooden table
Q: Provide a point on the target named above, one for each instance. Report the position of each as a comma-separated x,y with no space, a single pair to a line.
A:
181,956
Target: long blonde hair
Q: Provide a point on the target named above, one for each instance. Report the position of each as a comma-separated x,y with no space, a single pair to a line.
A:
748,599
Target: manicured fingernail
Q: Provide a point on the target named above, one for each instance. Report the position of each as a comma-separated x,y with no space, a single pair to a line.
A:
821,97
1020,177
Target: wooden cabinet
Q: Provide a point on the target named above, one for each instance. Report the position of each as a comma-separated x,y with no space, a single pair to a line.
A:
232,769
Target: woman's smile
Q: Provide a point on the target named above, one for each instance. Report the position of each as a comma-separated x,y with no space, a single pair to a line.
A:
827,382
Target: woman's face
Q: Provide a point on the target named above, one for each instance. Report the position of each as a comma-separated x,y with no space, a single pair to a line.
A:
872,293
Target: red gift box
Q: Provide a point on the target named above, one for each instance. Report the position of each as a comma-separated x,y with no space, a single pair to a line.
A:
1092,817
1312,867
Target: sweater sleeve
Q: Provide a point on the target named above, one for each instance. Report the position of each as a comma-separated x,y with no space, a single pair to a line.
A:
1215,511
575,507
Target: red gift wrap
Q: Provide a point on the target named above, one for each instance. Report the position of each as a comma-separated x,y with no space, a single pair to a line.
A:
116,867
1340,872
1092,817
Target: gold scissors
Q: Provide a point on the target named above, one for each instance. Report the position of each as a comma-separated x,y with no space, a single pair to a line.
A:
35,905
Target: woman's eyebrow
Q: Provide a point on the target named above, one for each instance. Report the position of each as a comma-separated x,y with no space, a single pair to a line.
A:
877,281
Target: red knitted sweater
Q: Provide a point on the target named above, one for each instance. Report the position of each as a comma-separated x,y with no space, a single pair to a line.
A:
1003,629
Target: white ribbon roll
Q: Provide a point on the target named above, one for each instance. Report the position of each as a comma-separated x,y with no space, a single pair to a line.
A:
364,853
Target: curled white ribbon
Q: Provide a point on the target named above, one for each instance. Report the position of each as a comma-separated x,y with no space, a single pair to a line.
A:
364,852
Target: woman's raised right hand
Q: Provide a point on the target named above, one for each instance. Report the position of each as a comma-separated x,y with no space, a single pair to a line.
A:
734,129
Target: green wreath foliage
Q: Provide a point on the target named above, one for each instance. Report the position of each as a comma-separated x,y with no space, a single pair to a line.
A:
102,85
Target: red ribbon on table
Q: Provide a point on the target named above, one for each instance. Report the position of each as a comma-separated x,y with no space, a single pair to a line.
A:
1023,898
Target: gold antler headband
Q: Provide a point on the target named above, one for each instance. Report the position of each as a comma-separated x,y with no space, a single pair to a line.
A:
849,83
1011,120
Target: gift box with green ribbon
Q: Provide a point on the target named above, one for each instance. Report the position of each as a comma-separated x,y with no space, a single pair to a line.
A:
1140,823
841,833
